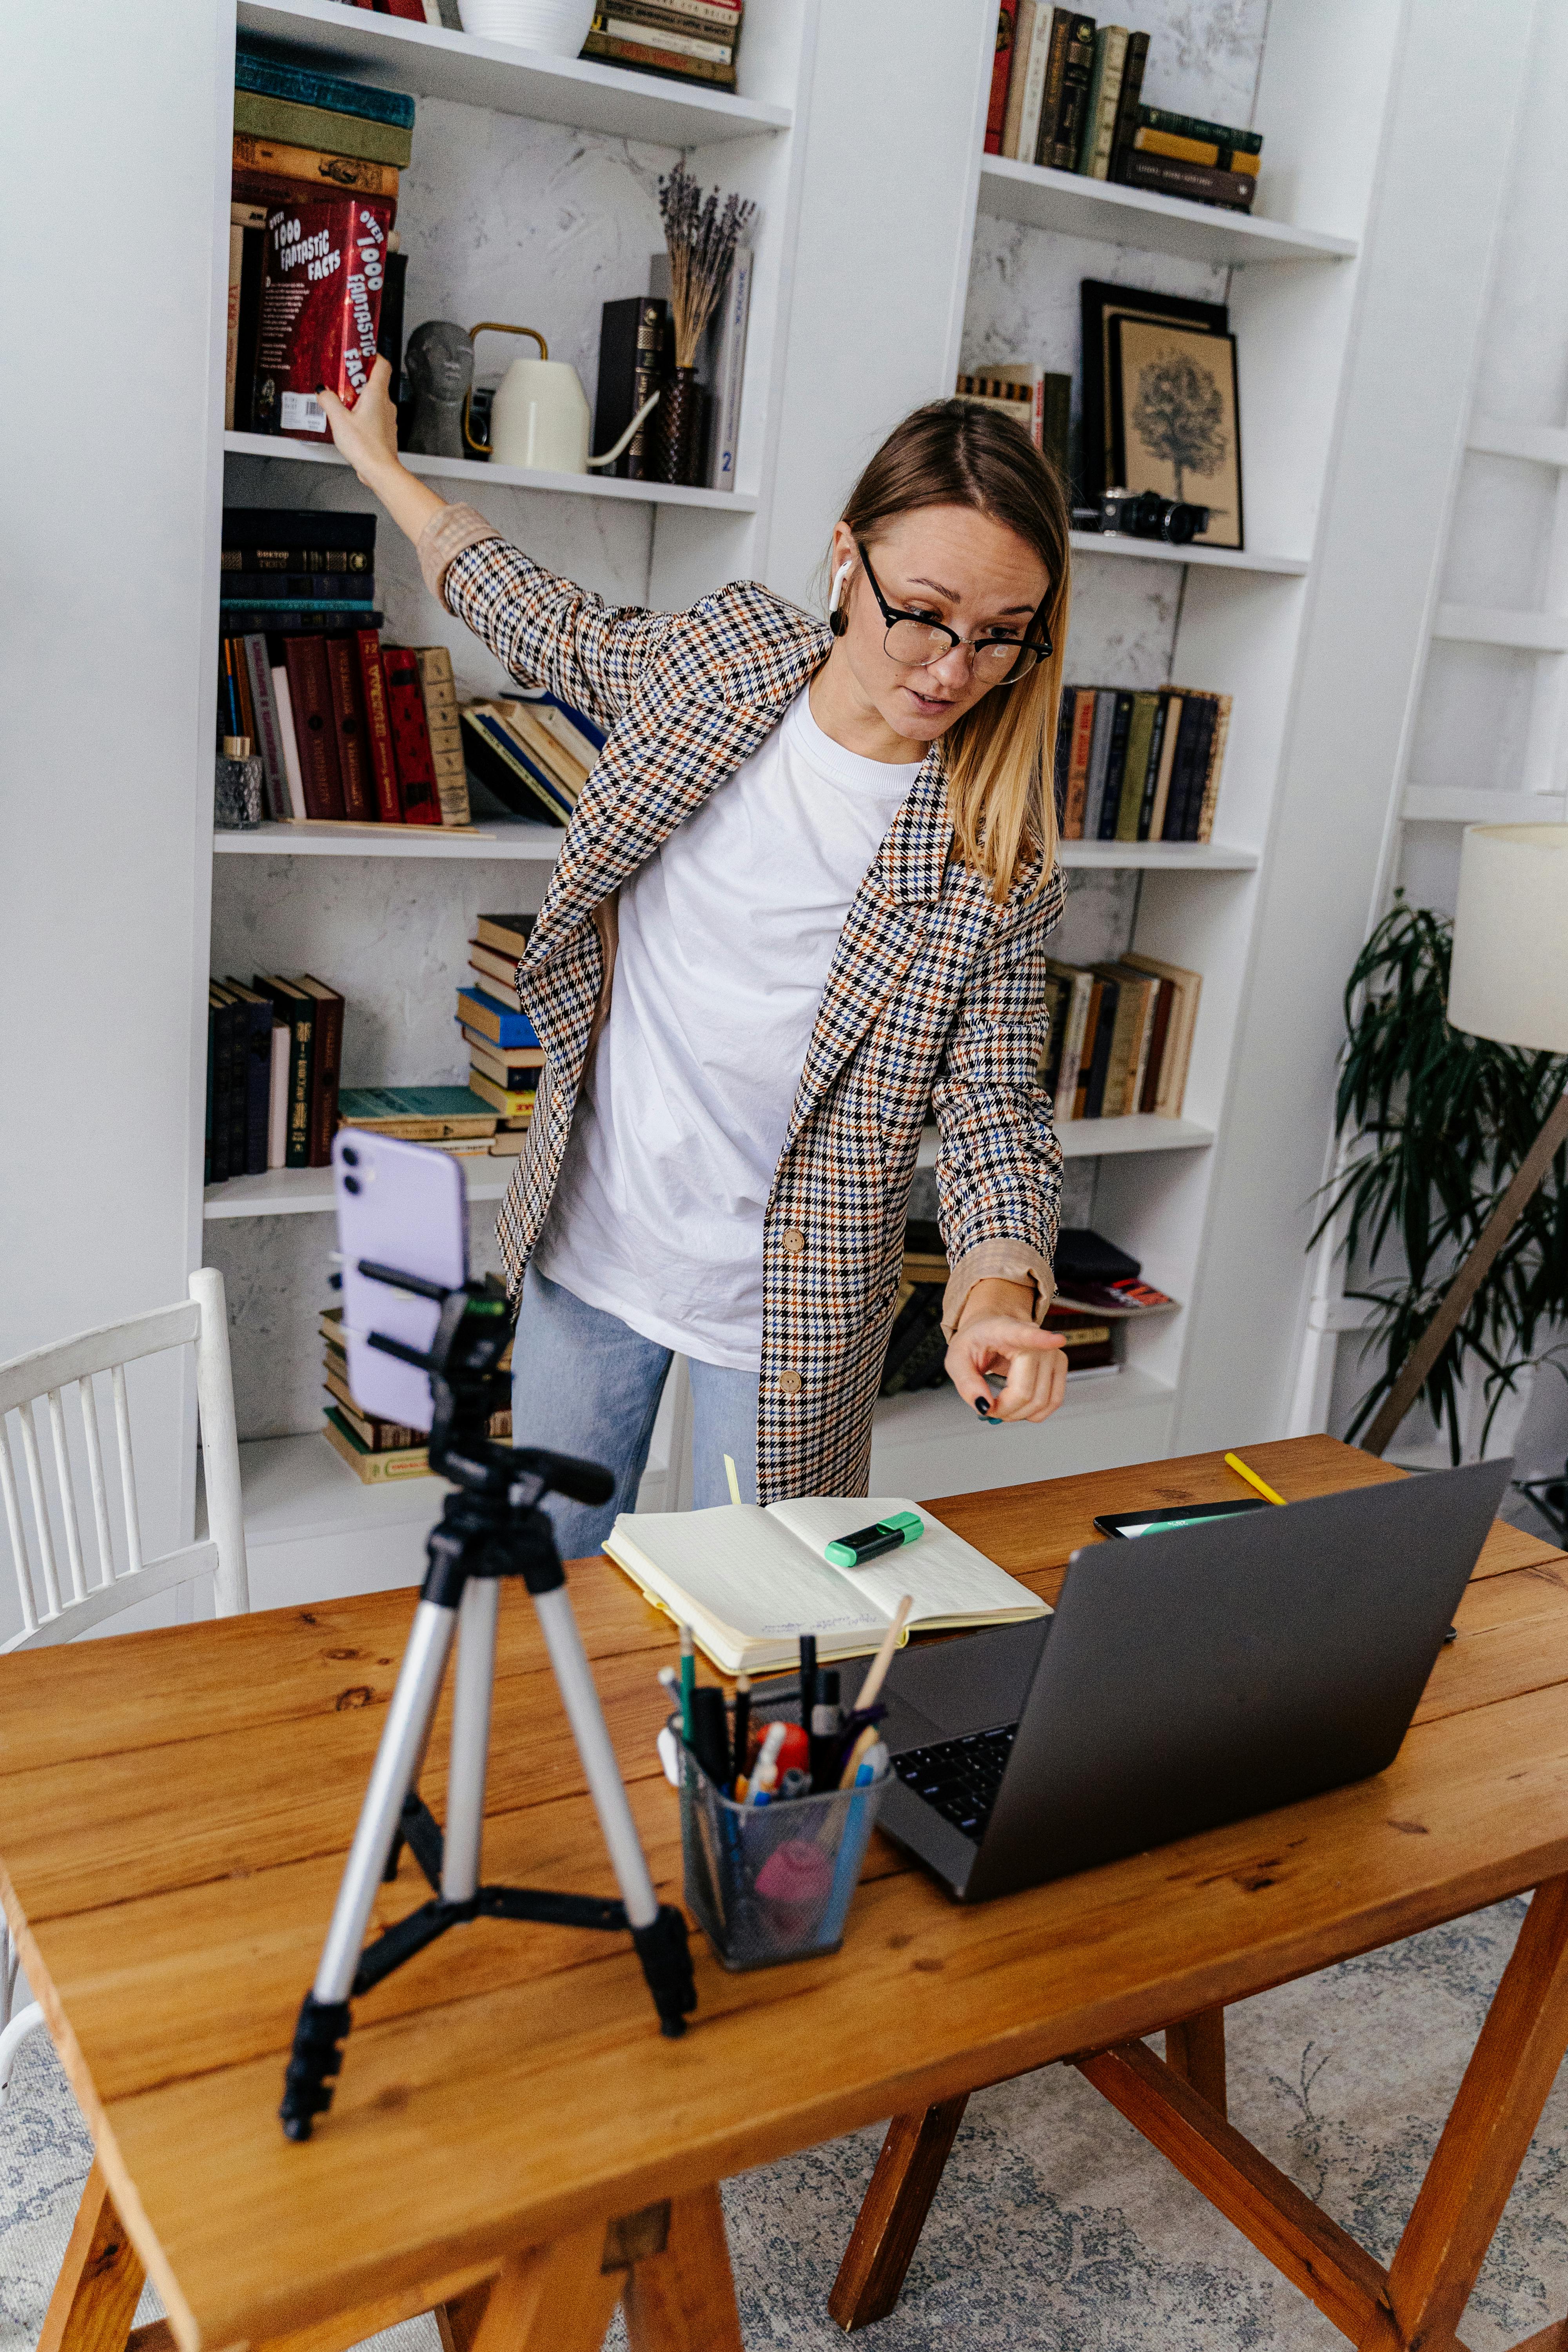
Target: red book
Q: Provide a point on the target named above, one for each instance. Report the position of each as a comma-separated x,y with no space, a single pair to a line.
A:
412,10
996,114
378,726
353,753
410,737
315,729
326,1067
323,272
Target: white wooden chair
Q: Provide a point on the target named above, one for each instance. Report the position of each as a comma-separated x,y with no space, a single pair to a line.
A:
56,1608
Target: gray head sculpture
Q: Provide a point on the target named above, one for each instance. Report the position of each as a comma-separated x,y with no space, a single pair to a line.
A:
439,363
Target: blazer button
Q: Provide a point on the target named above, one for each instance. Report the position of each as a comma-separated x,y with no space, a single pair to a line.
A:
794,1241
790,1384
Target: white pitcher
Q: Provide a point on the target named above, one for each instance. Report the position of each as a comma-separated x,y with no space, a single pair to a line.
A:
539,415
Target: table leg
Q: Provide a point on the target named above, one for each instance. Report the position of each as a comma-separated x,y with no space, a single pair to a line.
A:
95,2296
1196,2051
554,2298
682,2299
1484,2140
892,2213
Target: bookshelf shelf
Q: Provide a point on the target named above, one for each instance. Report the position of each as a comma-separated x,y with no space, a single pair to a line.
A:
1104,211
1153,856
1443,804
1221,558
521,477
307,1191
537,844
430,63
1500,625
1080,1138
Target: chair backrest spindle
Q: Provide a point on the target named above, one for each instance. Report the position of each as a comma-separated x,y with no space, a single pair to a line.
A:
16,1530
41,1526
95,1478
68,1496
127,1474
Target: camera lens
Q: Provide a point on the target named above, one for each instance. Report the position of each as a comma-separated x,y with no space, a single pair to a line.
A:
351,1183
1181,523
351,1157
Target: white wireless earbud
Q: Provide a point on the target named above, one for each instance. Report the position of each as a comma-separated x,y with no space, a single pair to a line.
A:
837,621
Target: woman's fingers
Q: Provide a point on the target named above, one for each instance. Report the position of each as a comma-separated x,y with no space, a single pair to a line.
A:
1033,1360
367,433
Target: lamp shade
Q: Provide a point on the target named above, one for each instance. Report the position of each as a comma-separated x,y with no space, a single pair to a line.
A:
1509,975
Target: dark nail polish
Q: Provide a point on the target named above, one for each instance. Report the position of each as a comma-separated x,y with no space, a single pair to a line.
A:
982,1406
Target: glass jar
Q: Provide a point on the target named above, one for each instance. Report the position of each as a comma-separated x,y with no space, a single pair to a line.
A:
236,787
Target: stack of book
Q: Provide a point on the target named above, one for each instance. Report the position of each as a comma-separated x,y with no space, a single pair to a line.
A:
1067,93
504,1055
917,1349
346,728
327,153
1121,1038
1036,400
691,40
532,752
274,1053
448,1119
1139,766
376,1451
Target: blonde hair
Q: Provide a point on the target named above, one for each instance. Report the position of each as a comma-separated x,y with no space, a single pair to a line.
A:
1001,754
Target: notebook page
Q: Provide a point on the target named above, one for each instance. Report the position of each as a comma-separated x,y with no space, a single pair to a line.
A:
947,1577
747,1574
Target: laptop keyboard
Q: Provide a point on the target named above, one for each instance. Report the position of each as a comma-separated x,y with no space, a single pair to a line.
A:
961,1778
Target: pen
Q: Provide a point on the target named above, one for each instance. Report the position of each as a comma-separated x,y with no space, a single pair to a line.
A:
1234,1462
868,1544
743,1721
826,1722
710,1734
807,1676
688,1677
670,1681
767,1771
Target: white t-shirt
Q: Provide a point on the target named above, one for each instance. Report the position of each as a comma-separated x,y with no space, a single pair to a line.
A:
726,936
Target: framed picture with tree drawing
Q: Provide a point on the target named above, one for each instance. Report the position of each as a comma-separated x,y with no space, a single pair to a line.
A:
1175,424
1102,304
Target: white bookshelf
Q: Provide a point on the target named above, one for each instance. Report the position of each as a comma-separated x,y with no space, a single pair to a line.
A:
479,473
1218,558
1070,205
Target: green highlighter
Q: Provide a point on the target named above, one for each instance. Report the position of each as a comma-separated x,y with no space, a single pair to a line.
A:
868,1544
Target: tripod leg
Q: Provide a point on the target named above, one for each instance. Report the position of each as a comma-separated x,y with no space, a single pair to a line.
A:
472,1685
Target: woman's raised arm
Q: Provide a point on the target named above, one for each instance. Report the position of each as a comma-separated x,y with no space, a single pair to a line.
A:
366,435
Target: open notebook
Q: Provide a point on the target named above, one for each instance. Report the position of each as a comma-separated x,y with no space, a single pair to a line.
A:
751,1581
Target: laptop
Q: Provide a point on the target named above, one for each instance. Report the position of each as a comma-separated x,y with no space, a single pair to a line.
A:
1202,1675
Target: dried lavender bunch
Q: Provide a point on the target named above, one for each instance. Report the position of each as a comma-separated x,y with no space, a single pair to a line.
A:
702,237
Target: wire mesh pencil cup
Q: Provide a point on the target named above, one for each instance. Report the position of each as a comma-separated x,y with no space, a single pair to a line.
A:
772,1882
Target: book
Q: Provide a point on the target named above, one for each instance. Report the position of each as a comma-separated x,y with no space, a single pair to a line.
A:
619,41
377,726
1100,110
1052,98
254,1023
916,1344
248,321
508,934
288,742
730,369
1092,1082
297,539
1196,183
357,778
1194,126
1115,764
749,1580
1099,761
296,1006
371,1468
1126,123
497,758
417,1114
1152,764
1209,800
1152,827
1140,731
510,1102
1090,1346
231,346
321,129
1187,987
1159,1033
574,732
381,1436
259,71
325,588
315,729
631,338
1000,75
320,303
215,1163
1078,72
1217,155
389,327
326,1066
500,1024
496,965
1078,986
316,169
518,1067
1027,82
439,695
268,733
1084,705
416,791
544,747
330,1322
278,1095
1122,1010
673,28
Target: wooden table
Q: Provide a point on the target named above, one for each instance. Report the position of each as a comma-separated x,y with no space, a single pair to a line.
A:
513,2142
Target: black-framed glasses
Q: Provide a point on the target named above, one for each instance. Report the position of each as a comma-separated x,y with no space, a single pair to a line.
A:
914,642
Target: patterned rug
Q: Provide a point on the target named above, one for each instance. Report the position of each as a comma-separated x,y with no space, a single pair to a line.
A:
1056,2225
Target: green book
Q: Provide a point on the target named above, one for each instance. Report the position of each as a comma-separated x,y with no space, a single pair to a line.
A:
390,1108
258,116
1140,731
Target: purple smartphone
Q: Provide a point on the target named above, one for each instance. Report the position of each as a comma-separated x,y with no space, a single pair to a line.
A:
404,1206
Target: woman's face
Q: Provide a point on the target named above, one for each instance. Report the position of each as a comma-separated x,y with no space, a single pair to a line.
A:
947,565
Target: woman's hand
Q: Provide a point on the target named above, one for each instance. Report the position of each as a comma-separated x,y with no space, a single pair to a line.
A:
366,433
995,1334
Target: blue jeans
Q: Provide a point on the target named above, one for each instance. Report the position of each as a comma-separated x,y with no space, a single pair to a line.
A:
583,1383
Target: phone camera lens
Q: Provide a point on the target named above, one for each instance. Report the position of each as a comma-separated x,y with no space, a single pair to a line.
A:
351,1157
351,1183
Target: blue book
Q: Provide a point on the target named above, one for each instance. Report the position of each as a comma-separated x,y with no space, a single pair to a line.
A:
260,70
504,765
353,614
493,1018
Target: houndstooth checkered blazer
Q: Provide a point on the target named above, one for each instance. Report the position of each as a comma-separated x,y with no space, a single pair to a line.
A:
934,998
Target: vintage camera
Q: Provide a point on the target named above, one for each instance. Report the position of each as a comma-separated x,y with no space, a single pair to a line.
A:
1143,514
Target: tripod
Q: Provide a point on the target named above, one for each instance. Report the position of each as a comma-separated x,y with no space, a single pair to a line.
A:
491,1527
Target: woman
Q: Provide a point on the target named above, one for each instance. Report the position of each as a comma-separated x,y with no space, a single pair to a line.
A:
818,866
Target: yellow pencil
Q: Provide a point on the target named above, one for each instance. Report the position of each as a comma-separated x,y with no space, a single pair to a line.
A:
1234,1462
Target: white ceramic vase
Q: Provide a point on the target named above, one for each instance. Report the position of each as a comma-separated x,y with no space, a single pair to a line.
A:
557,28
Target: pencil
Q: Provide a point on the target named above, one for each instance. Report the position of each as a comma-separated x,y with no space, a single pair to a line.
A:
884,1657
1234,1462
857,1755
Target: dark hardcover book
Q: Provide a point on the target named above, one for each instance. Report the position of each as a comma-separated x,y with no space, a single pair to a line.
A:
298,1011
631,337
326,1068
354,769
328,588
1104,1038
268,77
1077,73
495,757
1063,758
1056,995
281,622
1116,762
1194,126
1181,766
1126,127
416,791
1197,183
220,1004
208,1130
1085,1050
389,328
236,1019
1051,97
1056,407
1151,768
253,244
301,539
258,1073
1099,761
1150,1094
1204,710
1001,74
909,1359
378,726
315,731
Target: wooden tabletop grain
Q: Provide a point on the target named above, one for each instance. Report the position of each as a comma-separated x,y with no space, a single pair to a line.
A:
174,1808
